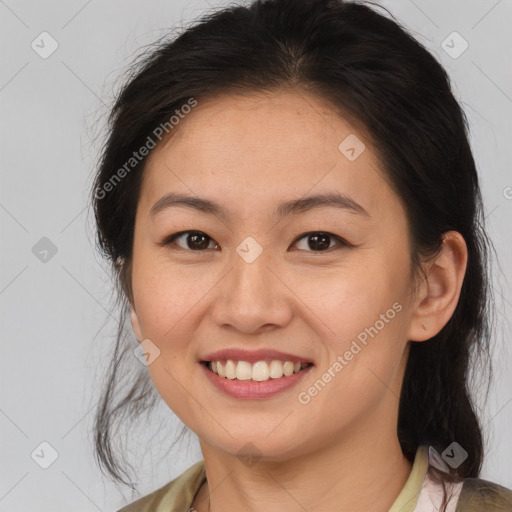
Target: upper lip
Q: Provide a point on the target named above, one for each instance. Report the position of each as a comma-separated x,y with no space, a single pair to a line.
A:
252,356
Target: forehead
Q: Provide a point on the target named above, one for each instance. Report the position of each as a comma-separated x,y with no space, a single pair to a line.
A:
263,146
260,121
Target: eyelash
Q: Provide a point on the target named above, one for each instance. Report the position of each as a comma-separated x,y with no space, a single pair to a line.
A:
342,242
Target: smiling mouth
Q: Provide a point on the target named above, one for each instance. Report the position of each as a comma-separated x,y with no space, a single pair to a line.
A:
259,371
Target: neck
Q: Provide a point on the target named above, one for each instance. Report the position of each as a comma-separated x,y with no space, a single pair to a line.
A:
356,476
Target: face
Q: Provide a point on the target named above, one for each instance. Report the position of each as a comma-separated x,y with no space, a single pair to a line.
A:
323,282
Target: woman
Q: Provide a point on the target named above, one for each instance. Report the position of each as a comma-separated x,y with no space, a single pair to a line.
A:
292,210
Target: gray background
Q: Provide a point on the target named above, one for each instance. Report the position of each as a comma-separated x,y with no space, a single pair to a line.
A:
57,324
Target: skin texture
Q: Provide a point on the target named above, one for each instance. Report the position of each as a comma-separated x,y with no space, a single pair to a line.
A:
250,153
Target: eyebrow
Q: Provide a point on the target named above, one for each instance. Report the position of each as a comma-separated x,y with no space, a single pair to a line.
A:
292,207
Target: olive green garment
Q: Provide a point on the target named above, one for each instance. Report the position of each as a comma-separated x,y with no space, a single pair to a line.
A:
476,495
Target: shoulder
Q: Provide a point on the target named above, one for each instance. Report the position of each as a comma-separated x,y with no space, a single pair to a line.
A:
479,495
150,502
177,495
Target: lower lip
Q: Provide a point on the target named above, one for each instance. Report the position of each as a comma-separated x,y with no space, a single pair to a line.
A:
250,389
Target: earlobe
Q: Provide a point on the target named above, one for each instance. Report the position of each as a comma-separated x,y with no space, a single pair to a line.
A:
135,324
440,290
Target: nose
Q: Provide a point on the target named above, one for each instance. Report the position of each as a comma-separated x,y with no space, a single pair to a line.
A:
252,298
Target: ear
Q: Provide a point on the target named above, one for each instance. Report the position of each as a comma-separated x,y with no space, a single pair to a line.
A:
135,324
439,292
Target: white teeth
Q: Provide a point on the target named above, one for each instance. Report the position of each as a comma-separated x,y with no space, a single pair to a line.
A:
230,369
259,371
243,370
288,368
276,369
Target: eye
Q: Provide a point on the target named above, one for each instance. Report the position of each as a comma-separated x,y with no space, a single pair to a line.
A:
194,240
317,241
320,241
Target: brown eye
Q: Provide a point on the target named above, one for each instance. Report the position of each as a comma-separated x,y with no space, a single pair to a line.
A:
193,240
320,241
316,241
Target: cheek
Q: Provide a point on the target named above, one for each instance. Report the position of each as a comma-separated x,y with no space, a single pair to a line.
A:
359,294
166,300
365,309
165,295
